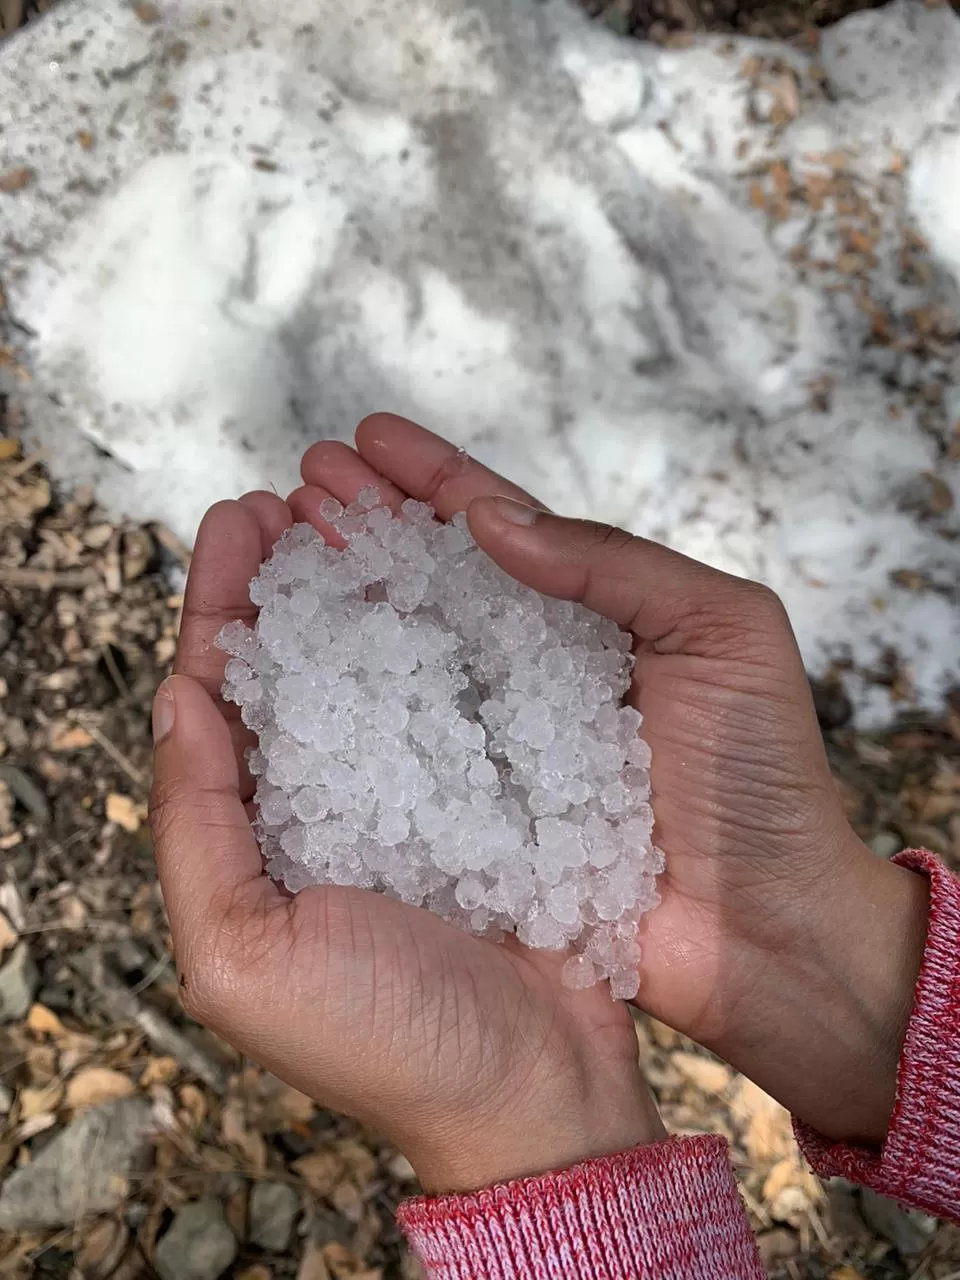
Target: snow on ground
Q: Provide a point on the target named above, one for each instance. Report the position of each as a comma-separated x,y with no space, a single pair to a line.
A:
710,293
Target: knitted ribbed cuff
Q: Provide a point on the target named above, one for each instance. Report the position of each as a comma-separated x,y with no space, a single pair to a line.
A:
670,1210
919,1162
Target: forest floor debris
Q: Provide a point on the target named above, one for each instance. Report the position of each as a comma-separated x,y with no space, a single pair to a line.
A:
92,1026
89,628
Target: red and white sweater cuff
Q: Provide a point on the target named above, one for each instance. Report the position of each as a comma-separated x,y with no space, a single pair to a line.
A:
670,1210
920,1158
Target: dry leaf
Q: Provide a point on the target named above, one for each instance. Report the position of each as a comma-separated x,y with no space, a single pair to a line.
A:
94,1085
768,1130
358,1160
86,139
320,1170
291,1106
15,180
790,1190
30,1128
233,1127
44,1022
344,1264
137,553
103,1247
42,1062
940,498
9,448
159,1071
702,1073
400,1168
8,934
256,1272
791,1205
347,1201
146,11
40,1102
845,1273
664,1036
194,1104
313,1265
70,738
123,811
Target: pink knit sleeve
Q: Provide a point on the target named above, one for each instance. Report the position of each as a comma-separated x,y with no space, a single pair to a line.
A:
669,1211
919,1163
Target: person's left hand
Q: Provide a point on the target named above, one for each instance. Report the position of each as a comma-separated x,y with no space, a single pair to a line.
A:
471,1056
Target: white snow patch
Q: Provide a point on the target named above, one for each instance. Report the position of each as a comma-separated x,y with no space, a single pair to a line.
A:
534,236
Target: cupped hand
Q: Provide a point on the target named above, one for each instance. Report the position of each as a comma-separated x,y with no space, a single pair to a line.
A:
780,942
471,1056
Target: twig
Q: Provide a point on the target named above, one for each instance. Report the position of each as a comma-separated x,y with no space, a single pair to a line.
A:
176,546
153,975
48,579
123,1005
113,751
27,464
116,675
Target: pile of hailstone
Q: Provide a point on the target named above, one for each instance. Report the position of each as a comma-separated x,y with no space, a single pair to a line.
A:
430,728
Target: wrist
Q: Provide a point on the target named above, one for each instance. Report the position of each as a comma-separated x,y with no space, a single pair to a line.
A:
831,1008
546,1132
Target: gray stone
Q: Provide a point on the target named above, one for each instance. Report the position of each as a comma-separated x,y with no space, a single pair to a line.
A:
885,844
19,981
83,1171
199,1244
273,1212
908,1230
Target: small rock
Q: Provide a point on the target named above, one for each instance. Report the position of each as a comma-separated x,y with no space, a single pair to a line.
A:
274,1208
399,1167
834,709
19,981
83,1171
885,844
908,1230
199,1244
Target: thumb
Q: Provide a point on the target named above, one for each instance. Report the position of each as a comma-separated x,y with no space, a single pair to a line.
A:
665,598
207,856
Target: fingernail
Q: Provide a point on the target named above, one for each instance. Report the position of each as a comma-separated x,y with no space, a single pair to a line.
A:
164,709
515,512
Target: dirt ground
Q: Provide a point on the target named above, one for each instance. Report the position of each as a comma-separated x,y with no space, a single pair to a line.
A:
88,619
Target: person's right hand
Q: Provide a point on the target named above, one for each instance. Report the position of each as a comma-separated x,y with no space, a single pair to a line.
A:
782,942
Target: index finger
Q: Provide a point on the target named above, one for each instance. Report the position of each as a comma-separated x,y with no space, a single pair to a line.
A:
429,468
226,556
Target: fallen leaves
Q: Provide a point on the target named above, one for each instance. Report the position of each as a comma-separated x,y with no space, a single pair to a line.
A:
790,1191
44,1022
15,180
767,1127
67,737
103,1247
704,1073
94,1085
40,1102
124,811
236,1133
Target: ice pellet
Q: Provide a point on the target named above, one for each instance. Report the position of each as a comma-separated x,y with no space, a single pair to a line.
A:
431,729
